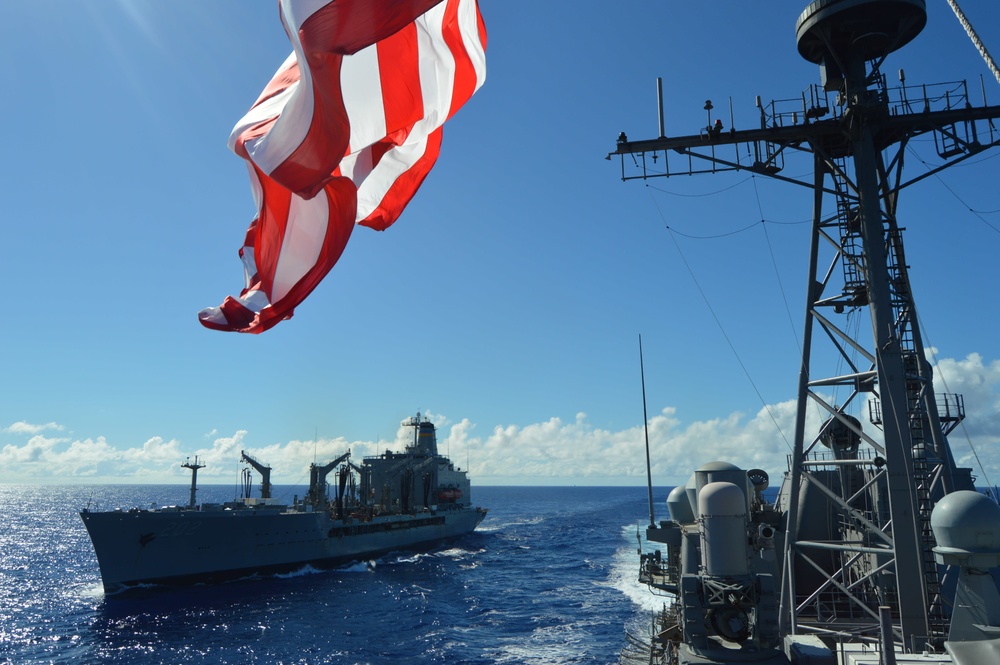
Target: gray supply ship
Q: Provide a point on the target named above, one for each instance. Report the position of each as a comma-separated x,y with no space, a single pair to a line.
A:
877,549
412,500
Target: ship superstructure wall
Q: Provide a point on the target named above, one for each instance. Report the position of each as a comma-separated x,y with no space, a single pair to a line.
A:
409,482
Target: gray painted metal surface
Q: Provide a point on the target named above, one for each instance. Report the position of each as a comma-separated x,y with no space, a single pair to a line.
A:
845,560
416,499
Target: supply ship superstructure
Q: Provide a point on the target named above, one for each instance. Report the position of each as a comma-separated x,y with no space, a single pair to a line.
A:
415,499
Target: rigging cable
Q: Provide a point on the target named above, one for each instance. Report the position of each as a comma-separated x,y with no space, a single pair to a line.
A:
774,264
978,213
698,196
784,297
929,348
722,329
978,43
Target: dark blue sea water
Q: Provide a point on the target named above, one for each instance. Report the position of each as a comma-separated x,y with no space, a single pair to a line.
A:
549,578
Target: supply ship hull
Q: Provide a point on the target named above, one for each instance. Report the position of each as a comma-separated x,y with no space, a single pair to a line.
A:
188,546
414,500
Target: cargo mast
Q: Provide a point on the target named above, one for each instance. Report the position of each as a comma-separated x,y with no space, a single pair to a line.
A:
194,466
263,470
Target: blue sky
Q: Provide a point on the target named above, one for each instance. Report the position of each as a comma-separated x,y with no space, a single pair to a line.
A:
508,299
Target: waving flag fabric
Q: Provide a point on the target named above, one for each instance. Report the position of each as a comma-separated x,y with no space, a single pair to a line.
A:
344,134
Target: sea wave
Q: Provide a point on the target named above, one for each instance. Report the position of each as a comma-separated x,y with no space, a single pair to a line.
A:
624,571
549,578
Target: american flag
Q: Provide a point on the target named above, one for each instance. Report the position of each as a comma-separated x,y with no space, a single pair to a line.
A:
344,134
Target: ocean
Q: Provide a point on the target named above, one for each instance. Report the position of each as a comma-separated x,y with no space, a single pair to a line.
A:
548,578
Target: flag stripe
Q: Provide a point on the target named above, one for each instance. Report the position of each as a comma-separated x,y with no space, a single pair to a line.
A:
344,133
308,167
302,242
402,92
381,199
347,26
253,127
388,203
470,53
363,98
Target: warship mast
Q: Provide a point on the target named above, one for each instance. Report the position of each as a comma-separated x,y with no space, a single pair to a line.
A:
879,496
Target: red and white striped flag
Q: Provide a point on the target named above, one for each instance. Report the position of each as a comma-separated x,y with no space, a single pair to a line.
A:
344,134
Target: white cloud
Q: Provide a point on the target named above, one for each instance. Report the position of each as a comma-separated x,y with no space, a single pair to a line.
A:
22,427
546,453
974,441
552,452
32,452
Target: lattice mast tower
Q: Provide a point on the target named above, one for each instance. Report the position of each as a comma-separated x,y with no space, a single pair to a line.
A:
857,144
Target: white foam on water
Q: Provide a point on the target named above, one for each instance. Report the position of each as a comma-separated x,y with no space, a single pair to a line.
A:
547,645
624,572
506,526
301,572
414,558
90,590
358,567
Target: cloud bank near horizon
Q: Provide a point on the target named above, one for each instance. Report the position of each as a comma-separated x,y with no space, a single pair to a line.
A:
554,452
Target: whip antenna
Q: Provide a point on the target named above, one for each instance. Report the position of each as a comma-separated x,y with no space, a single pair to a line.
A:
645,424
